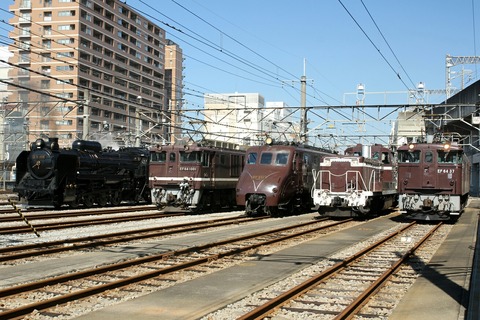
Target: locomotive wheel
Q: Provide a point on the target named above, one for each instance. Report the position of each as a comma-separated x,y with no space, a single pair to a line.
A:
115,198
102,200
88,201
73,204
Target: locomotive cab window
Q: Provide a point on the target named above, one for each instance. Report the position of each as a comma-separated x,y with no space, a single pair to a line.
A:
281,159
206,159
173,157
449,157
252,158
409,156
385,158
190,156
266,158
428,157
158,156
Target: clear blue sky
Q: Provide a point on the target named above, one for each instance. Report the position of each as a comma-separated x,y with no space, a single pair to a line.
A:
260,46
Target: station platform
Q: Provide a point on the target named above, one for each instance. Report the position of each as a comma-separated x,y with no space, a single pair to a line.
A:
449,284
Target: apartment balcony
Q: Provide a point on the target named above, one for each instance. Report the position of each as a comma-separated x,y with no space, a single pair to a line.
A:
26,4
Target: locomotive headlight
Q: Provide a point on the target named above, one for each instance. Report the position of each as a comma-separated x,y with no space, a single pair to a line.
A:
269,141
411,146
274,190
446,146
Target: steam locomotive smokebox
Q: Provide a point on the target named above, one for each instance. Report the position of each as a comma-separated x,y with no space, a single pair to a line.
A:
53,143
85,145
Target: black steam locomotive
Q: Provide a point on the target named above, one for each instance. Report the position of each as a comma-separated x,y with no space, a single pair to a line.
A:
85,175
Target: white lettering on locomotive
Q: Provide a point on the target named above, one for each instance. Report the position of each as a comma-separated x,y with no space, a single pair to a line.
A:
187,168
448,171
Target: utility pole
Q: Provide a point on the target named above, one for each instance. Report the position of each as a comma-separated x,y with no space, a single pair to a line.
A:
303,106
86,115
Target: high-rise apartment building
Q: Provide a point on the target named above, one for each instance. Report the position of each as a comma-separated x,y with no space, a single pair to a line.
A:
93,69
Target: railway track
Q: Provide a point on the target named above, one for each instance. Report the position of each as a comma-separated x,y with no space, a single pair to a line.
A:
155,271
11,253
10,214
350,287
20,227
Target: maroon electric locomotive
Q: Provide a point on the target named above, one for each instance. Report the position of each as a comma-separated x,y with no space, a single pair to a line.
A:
196,178
357,184
433,180
277,178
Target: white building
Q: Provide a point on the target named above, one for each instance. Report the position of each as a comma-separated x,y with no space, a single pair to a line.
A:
235,117
246,119
279,123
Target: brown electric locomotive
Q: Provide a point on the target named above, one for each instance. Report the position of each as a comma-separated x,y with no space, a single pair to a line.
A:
433,180
357,184
198,177
277,178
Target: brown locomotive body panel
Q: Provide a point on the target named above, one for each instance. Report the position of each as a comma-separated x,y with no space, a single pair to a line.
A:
195,177
277,179
433,179
359,183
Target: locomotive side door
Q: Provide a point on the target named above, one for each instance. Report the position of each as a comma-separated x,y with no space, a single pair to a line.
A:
209,162
429,175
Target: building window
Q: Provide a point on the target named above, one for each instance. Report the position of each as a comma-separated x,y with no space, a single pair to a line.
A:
66,27
64,68
46,57
45,84
66,41
25,31
47,44
64,54
46,70
66,13
63,122
47,16
25,17
86,16
24,57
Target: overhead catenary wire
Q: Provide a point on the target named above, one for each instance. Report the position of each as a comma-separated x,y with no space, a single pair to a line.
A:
388,44
373,44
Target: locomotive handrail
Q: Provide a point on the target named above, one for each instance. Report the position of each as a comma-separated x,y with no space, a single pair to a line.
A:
358,177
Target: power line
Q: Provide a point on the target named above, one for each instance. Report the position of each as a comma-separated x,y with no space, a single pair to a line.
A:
235,40
373,44
391,50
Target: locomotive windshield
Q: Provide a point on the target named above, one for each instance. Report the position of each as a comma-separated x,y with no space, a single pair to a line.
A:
252,158
266,158
409,156
278,159
454,157
158,156
449,157
194,156
269,158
